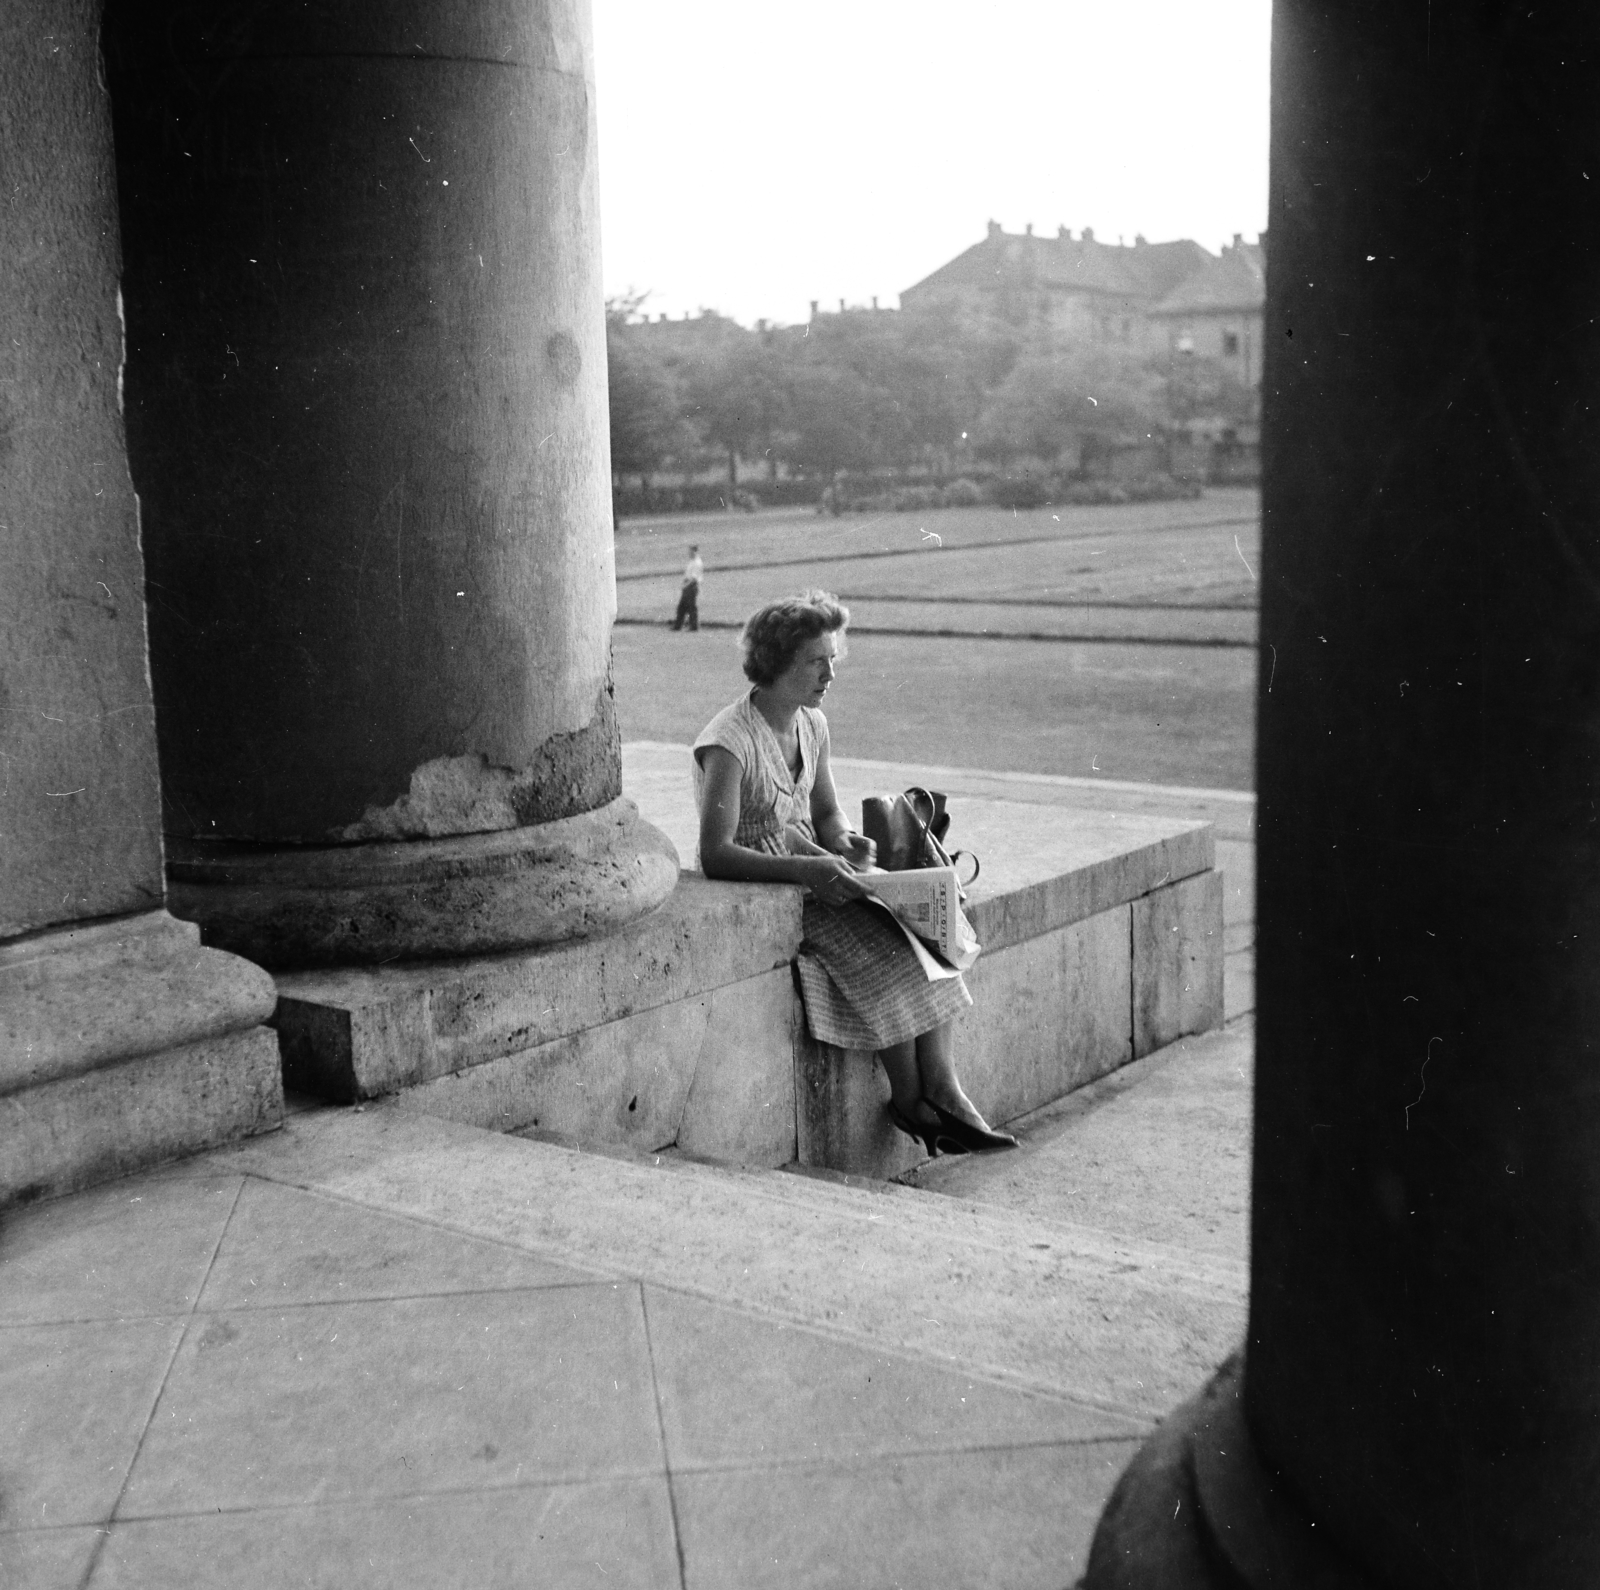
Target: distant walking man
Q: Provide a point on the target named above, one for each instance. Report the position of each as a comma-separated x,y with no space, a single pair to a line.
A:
689,596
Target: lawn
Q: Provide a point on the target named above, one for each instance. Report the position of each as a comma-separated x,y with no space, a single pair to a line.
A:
1173,709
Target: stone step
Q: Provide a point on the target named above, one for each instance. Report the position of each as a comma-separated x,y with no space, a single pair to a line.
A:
1102,937
1129,1327
126,1042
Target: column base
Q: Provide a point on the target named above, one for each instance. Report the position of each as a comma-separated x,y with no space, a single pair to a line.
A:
125,1043
343,905
1197,1510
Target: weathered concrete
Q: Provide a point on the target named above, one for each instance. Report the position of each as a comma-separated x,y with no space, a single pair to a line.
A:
713,1075
79,824
62,1135
942,1384
355,1034
741,1104
576,877
841,1123
122,1042
1047,1016
1158,1149
1177,962
76,998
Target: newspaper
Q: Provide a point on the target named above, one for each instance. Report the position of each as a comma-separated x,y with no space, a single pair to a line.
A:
926,902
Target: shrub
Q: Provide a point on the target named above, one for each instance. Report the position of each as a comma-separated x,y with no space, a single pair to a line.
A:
1020,491
963,493
912,499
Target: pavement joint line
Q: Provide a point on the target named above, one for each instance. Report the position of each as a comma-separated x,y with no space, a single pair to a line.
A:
661,1435
865,1457
188,1316
923,550
565,1480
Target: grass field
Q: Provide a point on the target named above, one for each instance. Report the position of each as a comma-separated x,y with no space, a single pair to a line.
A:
1114,642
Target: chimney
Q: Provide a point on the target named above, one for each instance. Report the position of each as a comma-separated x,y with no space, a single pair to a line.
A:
874,303
1088,234
1238,238
761,325
813,309
1138,240
994,231
841,306
1029,229
1064,234
663,317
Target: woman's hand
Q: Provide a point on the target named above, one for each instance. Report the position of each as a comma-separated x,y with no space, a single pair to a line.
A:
856,848
833,880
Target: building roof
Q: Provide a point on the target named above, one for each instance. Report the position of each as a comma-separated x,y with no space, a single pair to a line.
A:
1235,283
1082,264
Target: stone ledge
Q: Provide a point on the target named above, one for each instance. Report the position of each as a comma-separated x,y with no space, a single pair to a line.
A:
361,1032
75,1131
1045,869
684,1028
73,999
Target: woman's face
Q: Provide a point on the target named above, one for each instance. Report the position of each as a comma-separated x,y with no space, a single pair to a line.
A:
805,681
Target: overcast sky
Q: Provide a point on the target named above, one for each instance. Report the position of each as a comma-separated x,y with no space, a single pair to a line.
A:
757,154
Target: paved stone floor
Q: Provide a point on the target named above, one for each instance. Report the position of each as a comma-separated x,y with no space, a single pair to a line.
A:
376,1349
373,1348
216,1380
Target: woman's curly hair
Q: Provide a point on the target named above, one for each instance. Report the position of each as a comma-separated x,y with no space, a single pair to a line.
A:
774,634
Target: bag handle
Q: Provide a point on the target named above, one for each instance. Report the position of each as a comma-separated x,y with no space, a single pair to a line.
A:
915,798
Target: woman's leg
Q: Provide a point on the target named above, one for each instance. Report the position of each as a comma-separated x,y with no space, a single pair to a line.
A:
905,1077
936,1069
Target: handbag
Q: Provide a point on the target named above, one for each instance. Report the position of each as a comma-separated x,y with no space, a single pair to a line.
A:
909,831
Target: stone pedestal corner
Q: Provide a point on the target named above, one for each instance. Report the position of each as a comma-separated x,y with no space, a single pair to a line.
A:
123,1044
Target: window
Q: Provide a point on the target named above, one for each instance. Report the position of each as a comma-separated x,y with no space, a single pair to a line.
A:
1230,344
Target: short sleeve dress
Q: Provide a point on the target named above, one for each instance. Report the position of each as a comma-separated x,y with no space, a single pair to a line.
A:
862,986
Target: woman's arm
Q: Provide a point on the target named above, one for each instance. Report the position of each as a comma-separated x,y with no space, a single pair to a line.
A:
830,824
831,878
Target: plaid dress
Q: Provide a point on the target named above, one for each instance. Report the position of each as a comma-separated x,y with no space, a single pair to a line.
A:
860,982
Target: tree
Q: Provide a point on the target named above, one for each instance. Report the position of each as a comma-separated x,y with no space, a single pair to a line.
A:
1203,388
646,407
1054,407
832,419
738,396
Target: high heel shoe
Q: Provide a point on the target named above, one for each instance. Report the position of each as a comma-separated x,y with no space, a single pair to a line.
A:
931,1135
973,1139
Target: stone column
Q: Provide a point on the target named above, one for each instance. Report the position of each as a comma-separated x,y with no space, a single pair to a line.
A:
1421,1382
367,416
122,1041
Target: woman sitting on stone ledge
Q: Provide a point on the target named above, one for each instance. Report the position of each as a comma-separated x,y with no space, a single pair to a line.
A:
769,814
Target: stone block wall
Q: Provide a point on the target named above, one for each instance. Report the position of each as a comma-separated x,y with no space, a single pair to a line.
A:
686,1030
